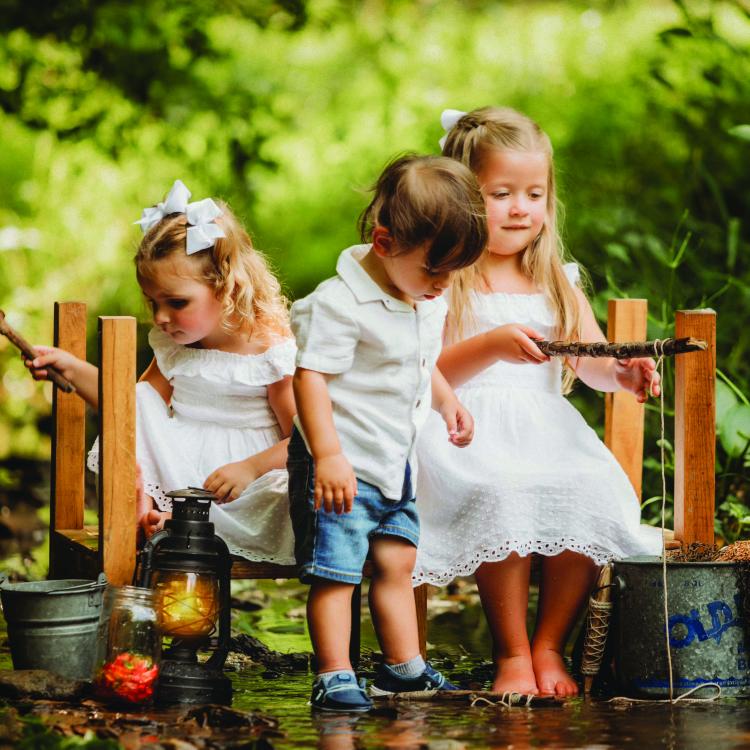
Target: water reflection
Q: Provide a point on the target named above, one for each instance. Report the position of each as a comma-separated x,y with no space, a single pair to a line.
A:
594,724
464,654
459,628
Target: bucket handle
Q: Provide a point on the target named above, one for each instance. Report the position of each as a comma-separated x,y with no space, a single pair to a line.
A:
100,582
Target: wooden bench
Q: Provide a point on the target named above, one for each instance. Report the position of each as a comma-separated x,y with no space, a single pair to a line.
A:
83,551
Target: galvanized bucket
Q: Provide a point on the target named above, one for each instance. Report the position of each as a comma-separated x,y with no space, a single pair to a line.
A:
706,632
53,625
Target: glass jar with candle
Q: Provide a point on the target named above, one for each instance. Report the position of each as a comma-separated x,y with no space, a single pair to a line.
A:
132,632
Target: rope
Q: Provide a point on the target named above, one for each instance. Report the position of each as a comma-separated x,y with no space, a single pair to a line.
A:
596,636
659,348
621,699
511,699
599,612
660,369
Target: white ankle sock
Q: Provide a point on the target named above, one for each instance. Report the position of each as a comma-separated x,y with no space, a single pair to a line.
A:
326,677
412,668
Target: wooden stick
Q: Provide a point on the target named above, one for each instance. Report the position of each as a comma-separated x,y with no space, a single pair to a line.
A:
27,349
626,350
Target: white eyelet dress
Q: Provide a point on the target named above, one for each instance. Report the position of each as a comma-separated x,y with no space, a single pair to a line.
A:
536,477
219,414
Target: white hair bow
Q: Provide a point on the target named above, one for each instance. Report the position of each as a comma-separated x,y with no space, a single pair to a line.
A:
448,119
201,215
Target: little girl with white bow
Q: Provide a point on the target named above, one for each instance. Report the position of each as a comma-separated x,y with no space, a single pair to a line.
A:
215,406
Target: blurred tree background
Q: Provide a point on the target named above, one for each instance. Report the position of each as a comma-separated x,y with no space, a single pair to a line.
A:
289,109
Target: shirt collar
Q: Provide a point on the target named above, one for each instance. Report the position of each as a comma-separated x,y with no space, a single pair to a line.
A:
361,283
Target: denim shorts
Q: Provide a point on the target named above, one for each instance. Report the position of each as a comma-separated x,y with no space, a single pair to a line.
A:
335,547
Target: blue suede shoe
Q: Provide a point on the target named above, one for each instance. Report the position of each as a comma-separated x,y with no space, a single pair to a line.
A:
388,682
339,693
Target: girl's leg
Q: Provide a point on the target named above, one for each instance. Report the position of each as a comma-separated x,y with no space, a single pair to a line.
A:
504,591
329,619
391,597
566,581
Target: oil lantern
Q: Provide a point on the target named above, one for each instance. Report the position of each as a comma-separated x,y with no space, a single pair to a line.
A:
189,565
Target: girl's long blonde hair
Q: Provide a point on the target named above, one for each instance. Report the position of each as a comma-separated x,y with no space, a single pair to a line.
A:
250,294
471,140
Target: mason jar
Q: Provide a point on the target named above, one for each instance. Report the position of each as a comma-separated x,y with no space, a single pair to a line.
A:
131,648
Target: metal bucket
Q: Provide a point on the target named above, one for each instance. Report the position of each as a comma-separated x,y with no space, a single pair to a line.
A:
53,625
706,632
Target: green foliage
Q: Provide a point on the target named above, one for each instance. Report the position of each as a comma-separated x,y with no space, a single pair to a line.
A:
288,110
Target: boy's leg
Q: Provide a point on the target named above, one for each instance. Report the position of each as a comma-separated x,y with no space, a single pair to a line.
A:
394,616
335,687
329,619
504,591
566,581
391,598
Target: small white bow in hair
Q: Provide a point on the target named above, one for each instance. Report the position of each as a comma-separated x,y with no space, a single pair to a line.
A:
201,215
448,119
204,230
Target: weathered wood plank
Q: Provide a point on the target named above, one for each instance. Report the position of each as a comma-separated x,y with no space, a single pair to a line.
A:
117,515
623,415
68,439
695,431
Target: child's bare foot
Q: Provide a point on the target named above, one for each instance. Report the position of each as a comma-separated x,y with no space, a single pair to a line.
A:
516,674
551,675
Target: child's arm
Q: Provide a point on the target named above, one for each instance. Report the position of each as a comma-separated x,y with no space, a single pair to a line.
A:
459,422
638,375
153,375
335,483
83,375
228,482
511,343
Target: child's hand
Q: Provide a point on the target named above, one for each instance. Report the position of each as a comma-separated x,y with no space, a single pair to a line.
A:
152,521
459,422
335,484
228,482
638,376
515,343
64,362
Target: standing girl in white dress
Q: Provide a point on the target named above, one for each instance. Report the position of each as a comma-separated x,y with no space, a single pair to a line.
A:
536,478
215,406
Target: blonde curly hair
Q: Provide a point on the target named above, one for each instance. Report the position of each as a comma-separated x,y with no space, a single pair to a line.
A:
250,294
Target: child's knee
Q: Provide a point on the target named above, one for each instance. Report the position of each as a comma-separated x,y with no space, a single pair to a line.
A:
392,558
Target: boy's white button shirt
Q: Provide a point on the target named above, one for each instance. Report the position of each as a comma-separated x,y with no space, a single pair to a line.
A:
380,353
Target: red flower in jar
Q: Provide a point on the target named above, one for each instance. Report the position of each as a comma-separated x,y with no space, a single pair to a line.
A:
128,677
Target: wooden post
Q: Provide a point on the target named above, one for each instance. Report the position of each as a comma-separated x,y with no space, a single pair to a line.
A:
623,415
68,439
695,431
117,521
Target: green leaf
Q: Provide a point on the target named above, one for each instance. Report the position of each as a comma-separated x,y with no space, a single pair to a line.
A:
725,401
734,430
740,131
616,250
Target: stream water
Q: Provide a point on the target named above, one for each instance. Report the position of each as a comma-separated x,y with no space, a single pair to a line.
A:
461,649
457,627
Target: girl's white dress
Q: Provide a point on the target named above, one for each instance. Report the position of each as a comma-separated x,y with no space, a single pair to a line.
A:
536,477
219,414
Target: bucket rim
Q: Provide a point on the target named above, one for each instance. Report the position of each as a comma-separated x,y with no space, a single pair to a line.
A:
656,560
65,586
